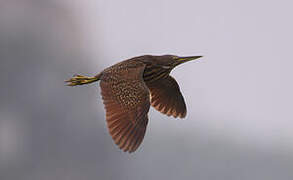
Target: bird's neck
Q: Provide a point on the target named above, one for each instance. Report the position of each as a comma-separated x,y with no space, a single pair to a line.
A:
153,73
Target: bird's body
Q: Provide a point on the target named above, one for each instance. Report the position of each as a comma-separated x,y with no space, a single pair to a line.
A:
129,88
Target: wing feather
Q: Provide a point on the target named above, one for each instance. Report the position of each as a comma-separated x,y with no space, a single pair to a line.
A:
167,98
126,100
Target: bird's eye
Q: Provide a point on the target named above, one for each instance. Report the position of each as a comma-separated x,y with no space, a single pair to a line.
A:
175,57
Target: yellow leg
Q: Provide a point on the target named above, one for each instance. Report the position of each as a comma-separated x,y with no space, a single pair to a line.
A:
80,80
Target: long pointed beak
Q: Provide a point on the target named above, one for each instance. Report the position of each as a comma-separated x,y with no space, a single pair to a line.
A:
188,58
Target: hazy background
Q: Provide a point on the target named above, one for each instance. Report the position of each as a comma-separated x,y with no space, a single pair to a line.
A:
239,96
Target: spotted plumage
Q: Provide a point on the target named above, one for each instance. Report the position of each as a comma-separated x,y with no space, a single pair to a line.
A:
129,88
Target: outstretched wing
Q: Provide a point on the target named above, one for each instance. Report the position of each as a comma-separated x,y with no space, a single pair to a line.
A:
167,98
127,102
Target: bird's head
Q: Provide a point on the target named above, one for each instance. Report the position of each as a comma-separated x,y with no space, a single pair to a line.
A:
171,61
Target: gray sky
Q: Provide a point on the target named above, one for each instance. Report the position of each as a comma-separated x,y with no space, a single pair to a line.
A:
239,96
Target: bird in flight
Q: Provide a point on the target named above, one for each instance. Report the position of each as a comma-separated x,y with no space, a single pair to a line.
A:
129,88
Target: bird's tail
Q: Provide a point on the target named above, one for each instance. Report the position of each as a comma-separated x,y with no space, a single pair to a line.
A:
81,80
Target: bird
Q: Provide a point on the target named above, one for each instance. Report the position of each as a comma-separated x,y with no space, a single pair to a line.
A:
130,87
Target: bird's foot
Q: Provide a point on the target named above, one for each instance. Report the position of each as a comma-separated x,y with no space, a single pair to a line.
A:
80,80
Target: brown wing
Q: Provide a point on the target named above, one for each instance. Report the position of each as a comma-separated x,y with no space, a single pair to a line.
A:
126,100
167,98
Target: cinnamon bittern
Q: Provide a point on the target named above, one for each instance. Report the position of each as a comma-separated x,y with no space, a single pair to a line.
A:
129,88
